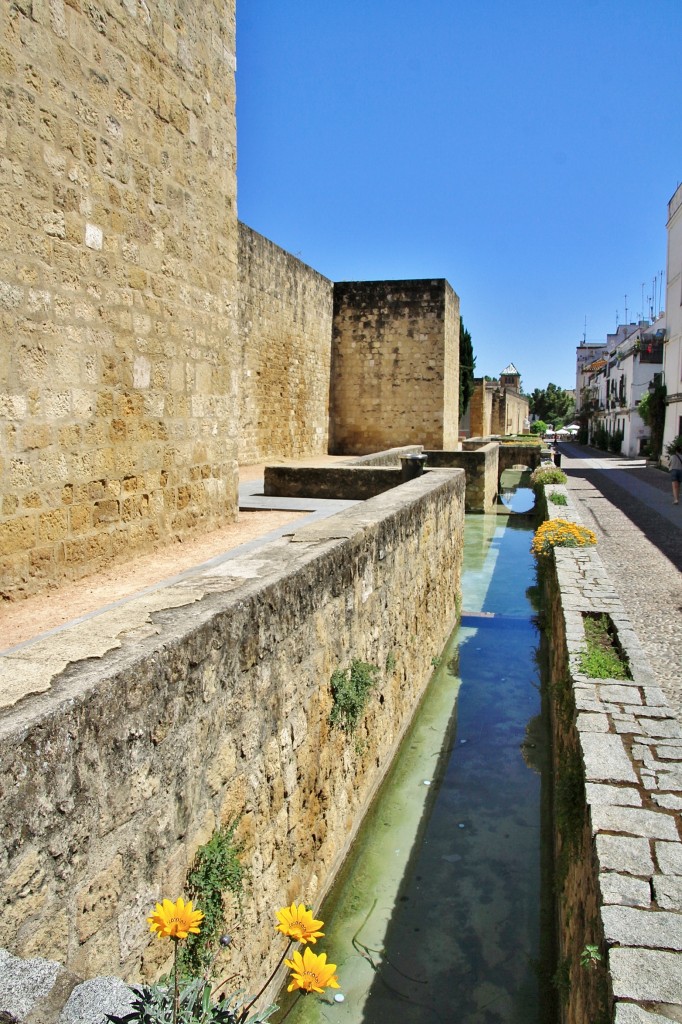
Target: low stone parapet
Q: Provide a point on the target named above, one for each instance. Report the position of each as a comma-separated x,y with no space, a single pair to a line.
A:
618,798
126,739
481,465
346,482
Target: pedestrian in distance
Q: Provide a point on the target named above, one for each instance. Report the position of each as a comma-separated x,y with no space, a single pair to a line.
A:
675,451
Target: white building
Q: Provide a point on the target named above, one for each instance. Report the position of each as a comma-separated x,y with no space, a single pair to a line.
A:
672,352
618,381
585,355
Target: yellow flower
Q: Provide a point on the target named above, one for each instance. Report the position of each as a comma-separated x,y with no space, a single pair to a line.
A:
561,533
175,920
298,923
311,972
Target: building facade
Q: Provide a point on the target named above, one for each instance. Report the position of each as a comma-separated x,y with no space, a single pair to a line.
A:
586,354
672,353
617,382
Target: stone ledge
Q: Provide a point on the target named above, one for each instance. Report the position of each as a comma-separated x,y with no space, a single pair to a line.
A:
38,991
631,748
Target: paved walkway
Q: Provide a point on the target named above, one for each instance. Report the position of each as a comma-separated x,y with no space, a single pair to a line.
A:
639,534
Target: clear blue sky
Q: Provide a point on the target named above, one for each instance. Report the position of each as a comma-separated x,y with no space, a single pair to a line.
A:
526,151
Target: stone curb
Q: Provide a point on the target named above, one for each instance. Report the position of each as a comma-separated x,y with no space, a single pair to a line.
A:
41,991
631,745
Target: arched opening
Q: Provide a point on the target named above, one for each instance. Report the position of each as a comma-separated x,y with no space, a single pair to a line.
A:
515,491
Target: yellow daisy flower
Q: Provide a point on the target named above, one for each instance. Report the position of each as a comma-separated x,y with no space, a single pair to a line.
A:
298,923
311,972
175,920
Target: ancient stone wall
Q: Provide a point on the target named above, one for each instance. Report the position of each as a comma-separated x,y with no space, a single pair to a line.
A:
480,465
617,801
496,411
285,322
515,413
118,230
480,410
395,365
159,720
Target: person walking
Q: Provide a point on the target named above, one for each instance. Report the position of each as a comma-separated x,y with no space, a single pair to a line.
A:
675,450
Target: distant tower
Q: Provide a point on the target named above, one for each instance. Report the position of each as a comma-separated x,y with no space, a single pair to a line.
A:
510,378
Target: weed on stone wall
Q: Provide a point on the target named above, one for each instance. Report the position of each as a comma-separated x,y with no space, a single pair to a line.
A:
561,693
603,658
215,872
569,810
351,688
558,499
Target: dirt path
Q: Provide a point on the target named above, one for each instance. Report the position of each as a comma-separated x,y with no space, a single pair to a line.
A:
22,620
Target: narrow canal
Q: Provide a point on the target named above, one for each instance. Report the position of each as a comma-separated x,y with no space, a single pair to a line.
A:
443,909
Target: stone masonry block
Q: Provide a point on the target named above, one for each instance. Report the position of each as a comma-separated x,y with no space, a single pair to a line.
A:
624,889
634,820
668,891
628,926
24,983
587,722
631,1013
646,974
624,796
624,854
90,1000
606,759
669,856
660,727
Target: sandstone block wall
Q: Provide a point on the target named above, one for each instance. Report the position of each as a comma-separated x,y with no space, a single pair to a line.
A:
118,280
480,465
208,700
480,410
395,365
285,320
516,412
496,411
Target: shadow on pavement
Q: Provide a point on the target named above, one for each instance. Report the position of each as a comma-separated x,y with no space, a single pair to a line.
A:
655,527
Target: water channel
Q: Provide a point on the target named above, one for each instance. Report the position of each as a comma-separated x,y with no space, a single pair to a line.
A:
443,909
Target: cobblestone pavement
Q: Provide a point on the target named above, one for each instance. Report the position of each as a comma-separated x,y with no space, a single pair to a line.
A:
639,533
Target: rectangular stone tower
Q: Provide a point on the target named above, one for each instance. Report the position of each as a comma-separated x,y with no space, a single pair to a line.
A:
118,281
395,365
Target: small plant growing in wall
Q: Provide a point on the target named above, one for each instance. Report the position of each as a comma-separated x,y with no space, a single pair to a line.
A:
215,872
590,957
351,688
558,499
569,809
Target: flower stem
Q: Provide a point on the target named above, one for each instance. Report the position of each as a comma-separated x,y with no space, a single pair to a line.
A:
176,989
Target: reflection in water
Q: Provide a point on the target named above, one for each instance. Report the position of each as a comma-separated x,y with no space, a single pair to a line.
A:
515,490
437,914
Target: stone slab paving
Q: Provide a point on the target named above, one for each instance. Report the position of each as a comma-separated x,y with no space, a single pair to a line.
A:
631,740
639,531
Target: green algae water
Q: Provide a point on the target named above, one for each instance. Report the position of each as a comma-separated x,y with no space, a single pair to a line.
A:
440,912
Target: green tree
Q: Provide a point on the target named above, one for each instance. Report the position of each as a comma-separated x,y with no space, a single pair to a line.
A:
652,410
467,362
552,404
